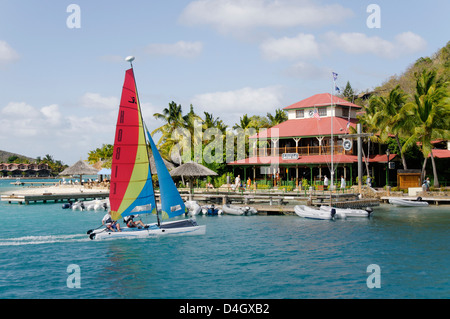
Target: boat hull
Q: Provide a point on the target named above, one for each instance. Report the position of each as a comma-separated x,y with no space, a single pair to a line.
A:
407,203
347,212
182,227
236,210
311,213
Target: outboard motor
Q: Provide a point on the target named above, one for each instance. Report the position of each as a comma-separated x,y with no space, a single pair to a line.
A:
419,199
369,210
333,212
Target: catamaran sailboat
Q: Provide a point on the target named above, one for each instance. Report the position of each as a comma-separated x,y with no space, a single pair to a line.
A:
131,188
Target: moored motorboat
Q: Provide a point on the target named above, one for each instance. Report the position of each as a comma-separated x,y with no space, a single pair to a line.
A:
312,213
238,210
193,207
211,210
408,202
348,212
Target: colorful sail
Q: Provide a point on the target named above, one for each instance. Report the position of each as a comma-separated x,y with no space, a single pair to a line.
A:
131,189
171,203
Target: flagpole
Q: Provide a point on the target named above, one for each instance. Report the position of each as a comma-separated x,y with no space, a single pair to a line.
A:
332,137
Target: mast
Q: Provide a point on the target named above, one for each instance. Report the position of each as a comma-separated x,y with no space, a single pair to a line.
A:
131,59
332,136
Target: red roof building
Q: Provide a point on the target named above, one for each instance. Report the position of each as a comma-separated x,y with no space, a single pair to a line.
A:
301,147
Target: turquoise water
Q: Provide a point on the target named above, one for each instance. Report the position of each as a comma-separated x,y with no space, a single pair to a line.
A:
267,257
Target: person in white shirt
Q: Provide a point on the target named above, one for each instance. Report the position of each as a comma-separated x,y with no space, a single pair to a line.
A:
111,224
342,182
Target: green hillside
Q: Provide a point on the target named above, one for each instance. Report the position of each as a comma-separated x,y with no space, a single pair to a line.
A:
4,156
440,61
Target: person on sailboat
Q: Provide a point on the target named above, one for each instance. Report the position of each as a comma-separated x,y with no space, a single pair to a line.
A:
111,224
128,220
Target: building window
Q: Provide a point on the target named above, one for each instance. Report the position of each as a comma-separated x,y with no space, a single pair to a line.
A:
345,112
299,114
322,111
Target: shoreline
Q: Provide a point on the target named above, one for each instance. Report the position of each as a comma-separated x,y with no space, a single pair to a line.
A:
55,189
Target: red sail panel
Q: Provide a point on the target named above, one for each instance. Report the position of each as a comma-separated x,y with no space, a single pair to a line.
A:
125,142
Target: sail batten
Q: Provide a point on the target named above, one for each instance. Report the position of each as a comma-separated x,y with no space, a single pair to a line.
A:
131,180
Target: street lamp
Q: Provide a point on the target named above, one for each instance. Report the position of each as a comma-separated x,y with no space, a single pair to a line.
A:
388,152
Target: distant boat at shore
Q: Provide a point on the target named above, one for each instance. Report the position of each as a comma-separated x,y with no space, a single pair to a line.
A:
408,202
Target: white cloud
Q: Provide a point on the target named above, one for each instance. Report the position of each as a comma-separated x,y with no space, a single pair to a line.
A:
360,43
19,109
52,114
410,42
301,46
95,100
308,71
34,131
230,105
180,49
226,15
7,53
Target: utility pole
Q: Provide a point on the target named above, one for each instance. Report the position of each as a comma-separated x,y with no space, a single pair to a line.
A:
359,135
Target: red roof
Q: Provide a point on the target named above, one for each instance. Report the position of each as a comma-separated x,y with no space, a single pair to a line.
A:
438,153
307,127
310,159
318,100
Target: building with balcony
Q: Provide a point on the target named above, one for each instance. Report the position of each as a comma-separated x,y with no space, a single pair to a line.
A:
21,170
307,145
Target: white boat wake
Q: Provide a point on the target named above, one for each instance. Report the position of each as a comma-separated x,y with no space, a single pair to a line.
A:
36,240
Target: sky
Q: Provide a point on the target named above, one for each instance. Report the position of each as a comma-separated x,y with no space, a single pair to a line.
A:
62,62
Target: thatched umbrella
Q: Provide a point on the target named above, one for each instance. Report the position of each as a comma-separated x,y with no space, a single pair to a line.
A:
168,164
191,170
79,168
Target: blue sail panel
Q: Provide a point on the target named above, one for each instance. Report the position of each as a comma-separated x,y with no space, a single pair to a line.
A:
144,203
171,203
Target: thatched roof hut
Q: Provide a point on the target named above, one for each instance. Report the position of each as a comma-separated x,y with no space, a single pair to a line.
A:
79,168
192,170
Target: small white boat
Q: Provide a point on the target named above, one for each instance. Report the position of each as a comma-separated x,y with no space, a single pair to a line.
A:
237,210
348,212
211,210
193,207
178,227
95,205
408,202
309,212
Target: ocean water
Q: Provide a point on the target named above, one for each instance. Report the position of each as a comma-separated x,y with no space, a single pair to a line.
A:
240,257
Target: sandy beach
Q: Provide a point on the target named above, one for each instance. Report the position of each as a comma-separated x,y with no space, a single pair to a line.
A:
55,189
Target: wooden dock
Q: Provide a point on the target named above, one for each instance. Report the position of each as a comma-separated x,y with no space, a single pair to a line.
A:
264,202
46,197
282,203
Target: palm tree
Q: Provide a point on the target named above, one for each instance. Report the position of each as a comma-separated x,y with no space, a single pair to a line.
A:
179,132
244,122
280,117
428,115
390,118
211,122
103,154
